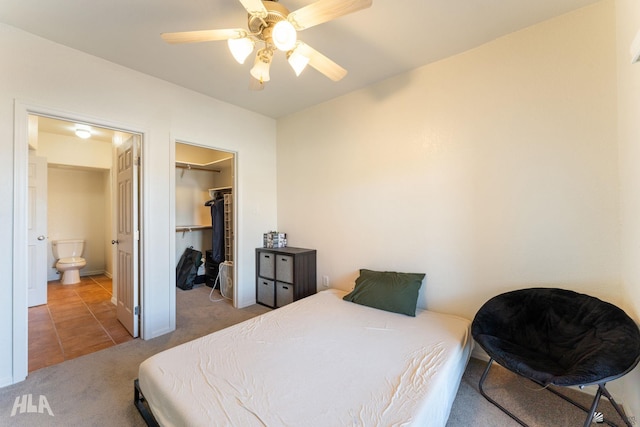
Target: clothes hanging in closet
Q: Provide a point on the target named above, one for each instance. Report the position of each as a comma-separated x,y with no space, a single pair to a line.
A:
217,225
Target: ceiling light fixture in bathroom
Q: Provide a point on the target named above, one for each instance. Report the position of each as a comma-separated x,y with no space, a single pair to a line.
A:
83,131
117,139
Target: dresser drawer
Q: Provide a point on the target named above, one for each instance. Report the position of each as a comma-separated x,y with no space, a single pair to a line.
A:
267,265
284,268
284,294
266,292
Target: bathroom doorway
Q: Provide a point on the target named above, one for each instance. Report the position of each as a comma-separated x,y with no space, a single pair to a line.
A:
82,201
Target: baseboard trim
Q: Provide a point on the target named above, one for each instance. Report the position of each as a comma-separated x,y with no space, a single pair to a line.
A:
92,273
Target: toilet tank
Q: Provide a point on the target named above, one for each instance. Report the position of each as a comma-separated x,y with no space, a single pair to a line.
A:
67,248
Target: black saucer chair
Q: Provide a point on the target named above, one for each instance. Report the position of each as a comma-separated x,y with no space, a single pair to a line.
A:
558,337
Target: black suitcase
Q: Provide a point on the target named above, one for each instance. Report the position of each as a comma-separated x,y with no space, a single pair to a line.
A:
187,268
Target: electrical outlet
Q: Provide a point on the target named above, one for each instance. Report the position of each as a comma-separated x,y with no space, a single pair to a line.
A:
325,281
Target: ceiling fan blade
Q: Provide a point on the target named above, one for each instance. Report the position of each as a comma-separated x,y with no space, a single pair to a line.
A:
325,10
254,7
322,63
203,36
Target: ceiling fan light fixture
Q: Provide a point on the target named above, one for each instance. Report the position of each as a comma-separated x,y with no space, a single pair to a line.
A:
273,26
241,48
260,70
83,131
297,61
284,35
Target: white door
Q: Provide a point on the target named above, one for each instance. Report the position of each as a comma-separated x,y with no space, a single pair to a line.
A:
128,235
37,226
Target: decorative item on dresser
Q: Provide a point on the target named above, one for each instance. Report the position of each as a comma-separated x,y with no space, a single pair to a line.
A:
284,275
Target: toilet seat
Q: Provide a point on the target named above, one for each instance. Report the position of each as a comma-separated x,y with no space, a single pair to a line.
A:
75,261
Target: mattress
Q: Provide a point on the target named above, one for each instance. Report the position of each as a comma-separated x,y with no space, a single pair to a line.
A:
320,361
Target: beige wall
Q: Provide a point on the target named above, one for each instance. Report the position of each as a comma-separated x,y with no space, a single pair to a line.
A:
628,25
77,209
192,191
492,170
79,198
72,151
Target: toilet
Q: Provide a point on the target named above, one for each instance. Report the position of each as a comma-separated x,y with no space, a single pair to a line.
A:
69,261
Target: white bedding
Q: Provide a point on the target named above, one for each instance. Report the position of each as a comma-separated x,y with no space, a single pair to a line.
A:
321,361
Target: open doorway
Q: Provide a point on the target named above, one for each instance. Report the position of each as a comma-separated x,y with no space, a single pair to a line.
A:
79,202
205,219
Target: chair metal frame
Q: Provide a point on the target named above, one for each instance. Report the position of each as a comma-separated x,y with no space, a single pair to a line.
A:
602,390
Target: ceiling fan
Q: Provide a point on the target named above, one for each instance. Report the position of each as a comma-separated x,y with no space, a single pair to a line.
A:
272,25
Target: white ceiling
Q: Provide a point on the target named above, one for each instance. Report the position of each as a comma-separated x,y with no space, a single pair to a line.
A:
387,39
65,128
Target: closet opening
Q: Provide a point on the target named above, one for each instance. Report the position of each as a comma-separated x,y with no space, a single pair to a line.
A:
205,220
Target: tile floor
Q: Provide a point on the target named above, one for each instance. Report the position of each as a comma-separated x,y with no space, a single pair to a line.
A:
77,320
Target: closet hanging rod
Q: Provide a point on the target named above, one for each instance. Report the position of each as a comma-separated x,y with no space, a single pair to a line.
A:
194,167
188,229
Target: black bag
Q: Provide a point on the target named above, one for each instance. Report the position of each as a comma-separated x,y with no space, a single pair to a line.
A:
187,268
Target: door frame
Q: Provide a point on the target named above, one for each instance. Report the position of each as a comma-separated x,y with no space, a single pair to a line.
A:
172,201
20,233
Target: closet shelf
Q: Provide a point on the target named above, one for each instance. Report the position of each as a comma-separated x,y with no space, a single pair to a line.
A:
191,228
214,166
190,166
213,191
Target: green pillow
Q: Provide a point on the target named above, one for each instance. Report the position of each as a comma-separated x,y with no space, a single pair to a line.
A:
387,290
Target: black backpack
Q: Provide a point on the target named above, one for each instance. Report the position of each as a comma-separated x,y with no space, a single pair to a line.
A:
187,268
